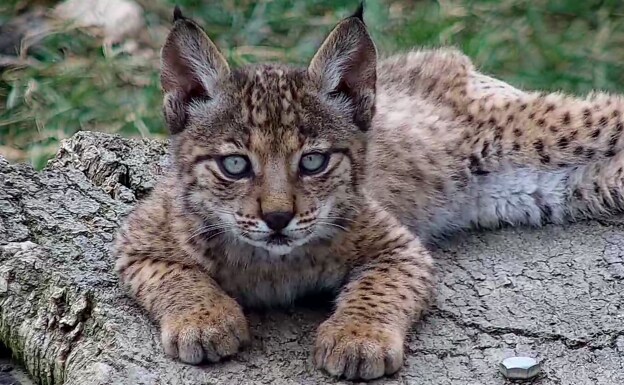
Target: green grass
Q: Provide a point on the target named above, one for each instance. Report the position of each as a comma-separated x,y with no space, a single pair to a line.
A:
73,84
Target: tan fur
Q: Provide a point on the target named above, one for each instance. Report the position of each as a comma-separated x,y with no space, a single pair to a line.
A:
421,145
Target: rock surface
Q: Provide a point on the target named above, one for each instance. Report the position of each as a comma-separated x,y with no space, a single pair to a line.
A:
555,293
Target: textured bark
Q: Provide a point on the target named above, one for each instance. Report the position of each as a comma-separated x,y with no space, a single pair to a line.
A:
556,293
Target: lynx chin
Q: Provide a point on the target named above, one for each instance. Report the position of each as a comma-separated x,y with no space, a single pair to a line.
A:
287,181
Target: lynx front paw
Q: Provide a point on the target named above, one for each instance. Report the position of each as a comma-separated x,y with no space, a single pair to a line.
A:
204,333
357,350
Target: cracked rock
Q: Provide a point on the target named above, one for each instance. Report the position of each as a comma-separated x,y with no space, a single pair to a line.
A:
554,293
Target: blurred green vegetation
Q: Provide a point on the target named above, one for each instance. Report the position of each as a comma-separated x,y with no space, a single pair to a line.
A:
71,82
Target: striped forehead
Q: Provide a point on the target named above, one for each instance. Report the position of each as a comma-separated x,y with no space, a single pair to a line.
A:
271,109
271,98
279,143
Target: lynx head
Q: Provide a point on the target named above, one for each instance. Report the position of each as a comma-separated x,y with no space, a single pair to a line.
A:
269,154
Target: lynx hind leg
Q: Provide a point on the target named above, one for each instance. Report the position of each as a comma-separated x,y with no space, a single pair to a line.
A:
597,189
530,196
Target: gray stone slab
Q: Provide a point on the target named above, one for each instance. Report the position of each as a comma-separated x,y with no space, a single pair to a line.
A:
555,293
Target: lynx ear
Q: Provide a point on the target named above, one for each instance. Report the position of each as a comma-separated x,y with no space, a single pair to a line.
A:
191,66
345,67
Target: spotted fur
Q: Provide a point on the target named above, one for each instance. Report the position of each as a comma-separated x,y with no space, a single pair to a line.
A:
419,145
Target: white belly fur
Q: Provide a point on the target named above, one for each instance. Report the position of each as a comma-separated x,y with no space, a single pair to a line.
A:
514,196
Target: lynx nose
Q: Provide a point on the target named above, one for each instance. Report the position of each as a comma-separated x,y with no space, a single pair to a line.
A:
278,220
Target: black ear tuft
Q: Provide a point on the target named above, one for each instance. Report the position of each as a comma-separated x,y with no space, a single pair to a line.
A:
346,66
359,13
177,14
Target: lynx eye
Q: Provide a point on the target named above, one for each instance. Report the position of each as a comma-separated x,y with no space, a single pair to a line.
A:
235,166
313,163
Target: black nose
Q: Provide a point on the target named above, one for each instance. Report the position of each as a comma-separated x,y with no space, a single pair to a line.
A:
277,220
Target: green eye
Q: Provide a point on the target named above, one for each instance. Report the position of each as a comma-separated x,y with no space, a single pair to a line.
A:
235,166
313,163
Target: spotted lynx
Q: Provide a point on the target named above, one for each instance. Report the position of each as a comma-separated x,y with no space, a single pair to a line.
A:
288,181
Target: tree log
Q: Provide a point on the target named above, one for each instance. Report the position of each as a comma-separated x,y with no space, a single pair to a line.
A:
555,293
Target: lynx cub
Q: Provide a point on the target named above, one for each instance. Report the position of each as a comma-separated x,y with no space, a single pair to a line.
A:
291,180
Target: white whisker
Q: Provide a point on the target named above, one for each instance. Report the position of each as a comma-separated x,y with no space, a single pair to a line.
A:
338,218
203,229
206,229
332,224
219,233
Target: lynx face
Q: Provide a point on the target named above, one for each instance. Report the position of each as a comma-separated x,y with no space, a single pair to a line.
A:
275,163
269,154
